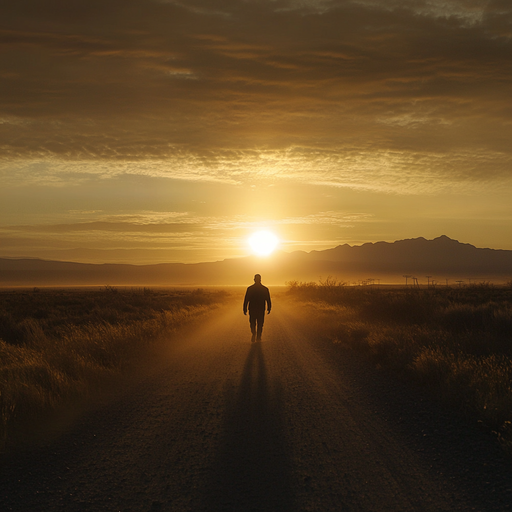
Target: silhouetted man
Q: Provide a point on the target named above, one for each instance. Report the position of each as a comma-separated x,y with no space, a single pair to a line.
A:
255,297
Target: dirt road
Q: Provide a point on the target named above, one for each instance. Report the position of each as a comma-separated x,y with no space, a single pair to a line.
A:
289,424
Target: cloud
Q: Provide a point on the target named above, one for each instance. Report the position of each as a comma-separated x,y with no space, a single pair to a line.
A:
367,168
161,235
395,96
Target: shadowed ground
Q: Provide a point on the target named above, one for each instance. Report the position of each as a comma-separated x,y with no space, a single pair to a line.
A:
253,469
292,423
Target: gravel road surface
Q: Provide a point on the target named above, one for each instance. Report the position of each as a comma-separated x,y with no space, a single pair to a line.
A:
293,423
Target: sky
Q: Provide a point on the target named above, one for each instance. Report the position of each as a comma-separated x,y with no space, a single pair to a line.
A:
148,131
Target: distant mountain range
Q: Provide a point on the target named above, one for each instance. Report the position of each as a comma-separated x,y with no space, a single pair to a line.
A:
441,258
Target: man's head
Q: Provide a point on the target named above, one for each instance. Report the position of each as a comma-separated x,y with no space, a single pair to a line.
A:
257,278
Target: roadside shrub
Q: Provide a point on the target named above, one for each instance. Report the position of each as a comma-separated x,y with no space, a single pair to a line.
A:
490,317
10,331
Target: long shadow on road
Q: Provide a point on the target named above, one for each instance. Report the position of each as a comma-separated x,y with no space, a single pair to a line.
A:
252,470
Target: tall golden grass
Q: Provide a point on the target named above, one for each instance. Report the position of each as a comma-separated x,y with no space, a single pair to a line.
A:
455,341
57,347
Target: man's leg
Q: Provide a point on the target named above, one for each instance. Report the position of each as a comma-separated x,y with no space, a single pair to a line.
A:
252,323
261,319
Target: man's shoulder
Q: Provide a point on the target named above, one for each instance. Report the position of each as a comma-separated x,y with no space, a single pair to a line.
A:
265,290
257,286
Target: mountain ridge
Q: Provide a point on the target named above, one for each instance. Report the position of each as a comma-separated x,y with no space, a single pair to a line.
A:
442,257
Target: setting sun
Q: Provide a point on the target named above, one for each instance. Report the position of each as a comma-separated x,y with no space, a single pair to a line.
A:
263,243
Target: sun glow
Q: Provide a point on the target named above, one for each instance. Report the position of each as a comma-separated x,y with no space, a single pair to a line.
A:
263,243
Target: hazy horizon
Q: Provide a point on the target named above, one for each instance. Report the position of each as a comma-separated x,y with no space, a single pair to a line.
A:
264,259
414,261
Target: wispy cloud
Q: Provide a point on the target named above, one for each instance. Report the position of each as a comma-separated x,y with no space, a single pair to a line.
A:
394,170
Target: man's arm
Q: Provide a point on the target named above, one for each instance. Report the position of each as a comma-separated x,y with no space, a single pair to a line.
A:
246,301
269,302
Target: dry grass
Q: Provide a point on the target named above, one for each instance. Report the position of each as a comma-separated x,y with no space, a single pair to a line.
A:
457,342
57,347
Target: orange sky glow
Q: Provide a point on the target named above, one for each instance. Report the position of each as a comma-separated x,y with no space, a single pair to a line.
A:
147,131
